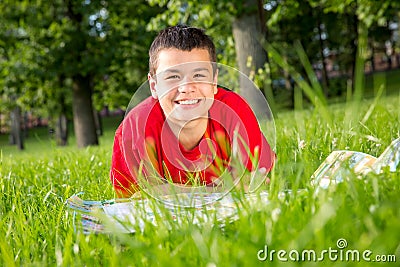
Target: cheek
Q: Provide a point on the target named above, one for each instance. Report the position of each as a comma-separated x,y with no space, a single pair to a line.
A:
166,103
211,91
166,95
163,101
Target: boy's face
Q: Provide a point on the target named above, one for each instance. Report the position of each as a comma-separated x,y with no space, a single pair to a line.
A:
184,84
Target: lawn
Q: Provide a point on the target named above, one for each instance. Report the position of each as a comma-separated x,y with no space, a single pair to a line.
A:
37,228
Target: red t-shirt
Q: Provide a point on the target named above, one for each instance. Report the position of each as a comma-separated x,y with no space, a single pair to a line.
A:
145,143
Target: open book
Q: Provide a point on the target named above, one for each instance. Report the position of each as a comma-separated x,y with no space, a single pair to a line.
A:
131,215
338,164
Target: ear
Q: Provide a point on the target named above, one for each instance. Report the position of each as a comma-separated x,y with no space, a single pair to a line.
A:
215,82
152,84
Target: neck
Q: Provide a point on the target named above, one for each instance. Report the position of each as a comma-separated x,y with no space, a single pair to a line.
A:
190,134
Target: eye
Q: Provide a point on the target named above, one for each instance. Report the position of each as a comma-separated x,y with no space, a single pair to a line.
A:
172,77
199,76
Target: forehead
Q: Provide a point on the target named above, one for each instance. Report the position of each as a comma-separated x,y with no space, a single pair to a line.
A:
173,57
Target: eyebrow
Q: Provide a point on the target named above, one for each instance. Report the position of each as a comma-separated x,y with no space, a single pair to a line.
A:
168,71
201,69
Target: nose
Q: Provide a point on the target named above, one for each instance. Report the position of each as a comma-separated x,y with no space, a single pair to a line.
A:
187,86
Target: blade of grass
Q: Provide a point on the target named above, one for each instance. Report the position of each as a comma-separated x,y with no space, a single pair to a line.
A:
311,92
352,115
310,73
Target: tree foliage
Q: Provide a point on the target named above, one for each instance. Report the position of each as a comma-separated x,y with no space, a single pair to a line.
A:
68,58
76,52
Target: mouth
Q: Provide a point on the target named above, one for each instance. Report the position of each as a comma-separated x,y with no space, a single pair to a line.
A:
187,101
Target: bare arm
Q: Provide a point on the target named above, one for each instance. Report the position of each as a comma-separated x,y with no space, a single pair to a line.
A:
248,183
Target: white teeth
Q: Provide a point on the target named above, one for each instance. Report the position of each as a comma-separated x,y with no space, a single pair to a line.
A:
188,102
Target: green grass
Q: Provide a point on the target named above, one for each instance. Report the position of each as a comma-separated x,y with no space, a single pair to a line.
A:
40,142
37,230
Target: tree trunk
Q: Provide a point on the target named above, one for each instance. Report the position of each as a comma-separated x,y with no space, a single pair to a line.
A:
98,122
84,125
389,52
62,121
247,31
398,60
25,129
325,79
62,130
16,137
372,57
397,44
354,48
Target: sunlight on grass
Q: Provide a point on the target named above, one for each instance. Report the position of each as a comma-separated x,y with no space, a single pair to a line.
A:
38,230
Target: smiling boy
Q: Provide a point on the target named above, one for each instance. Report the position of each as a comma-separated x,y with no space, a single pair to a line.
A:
190,131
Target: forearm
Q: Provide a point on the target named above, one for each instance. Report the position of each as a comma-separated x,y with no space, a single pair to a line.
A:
247,183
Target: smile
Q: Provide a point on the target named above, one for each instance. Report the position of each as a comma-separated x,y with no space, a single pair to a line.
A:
188,102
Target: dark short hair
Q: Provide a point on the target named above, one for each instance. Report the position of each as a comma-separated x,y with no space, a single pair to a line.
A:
181,37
